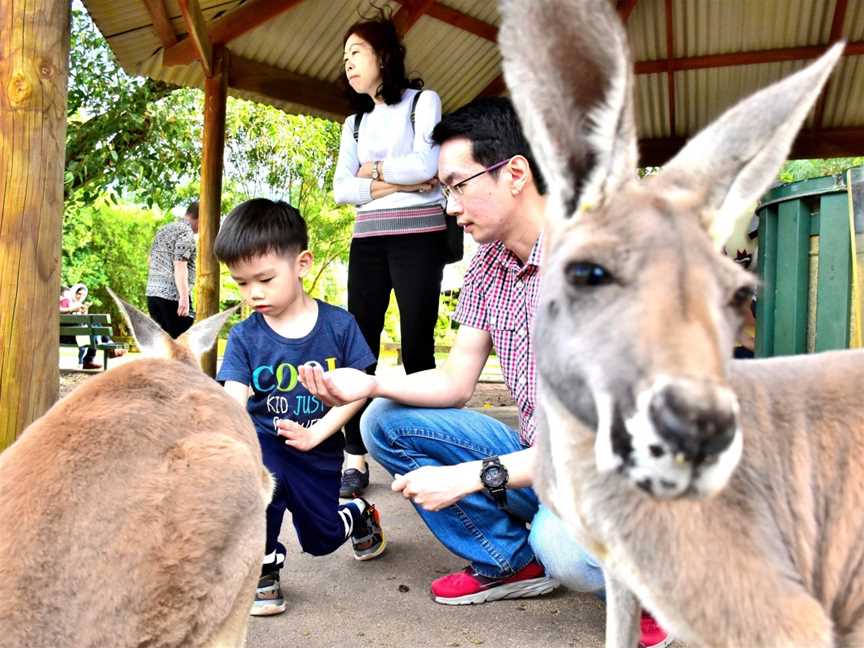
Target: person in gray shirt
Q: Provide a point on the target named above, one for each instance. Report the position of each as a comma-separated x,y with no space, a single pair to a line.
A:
171,274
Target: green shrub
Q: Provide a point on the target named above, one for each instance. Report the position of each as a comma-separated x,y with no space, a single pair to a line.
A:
107,244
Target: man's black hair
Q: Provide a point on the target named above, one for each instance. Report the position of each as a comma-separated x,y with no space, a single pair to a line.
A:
495,133
192,209
258,227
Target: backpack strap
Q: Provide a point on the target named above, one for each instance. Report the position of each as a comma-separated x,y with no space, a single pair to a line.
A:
358,118
414,107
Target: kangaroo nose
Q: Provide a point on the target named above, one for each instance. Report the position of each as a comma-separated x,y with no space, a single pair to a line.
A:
697,420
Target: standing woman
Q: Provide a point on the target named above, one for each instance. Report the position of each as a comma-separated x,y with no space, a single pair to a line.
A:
387,167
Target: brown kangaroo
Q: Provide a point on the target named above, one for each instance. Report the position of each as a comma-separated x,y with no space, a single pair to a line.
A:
726,496
133,510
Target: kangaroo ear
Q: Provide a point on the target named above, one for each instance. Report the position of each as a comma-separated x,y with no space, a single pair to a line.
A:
149,336
735,159
202,335
568,69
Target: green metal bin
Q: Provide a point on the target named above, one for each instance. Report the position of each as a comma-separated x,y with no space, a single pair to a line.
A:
811,243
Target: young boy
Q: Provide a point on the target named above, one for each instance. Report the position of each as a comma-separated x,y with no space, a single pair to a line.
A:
264,244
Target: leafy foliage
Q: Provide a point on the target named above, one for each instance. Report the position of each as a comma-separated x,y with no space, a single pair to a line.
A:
133,141
107,245
292,158
126,136
796,170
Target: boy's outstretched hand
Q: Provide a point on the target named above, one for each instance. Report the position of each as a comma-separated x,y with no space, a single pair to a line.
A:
297,436
337,387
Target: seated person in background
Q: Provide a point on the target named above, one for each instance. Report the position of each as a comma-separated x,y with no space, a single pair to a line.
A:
265,246
72,302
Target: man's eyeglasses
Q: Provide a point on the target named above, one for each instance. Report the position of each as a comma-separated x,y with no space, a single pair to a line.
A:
458,188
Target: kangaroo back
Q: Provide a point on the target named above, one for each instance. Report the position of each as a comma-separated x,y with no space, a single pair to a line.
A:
133,510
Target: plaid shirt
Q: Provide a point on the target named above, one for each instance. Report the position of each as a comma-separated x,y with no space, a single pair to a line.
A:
499,295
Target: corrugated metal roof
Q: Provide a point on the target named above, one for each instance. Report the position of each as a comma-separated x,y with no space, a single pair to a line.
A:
708,27
459,64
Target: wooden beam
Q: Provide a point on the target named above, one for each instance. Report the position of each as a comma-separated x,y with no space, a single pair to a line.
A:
825,143
409,14
209,209
283,85
836,34
742,58
625,8
34,55
670,73
161,22
464,21
197,26
495,88
224,29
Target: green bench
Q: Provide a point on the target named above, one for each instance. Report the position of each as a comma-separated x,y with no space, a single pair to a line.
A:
93,326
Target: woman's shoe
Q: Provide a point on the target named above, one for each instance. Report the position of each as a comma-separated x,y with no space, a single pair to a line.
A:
354,482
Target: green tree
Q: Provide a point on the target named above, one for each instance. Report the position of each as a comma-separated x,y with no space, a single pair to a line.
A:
107,245
795,170
292,158
126,136
134,141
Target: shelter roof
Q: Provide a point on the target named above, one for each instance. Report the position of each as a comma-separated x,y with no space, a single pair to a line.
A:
694,58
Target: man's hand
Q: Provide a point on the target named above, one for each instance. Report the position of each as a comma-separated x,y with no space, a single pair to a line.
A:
436,487
297,436
337,387
183,307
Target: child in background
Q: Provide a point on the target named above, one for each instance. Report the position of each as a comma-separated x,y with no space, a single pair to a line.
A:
264,244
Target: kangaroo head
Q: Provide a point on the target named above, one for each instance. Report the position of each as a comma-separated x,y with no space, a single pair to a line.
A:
638,309
156,343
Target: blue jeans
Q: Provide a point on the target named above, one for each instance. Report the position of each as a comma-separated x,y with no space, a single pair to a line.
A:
496,542
565,559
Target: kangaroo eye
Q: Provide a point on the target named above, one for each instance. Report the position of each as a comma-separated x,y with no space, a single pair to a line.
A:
742,297
587,274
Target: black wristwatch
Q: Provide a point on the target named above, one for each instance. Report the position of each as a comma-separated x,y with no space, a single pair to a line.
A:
494,477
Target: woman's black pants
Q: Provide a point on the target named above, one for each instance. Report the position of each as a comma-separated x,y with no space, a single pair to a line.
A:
411,265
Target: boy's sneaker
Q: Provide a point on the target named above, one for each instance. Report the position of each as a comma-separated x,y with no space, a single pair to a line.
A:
354,482
651,634
368,538
268,596
467,586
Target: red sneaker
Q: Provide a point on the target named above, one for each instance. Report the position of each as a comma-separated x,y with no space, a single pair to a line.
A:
651,634
467,586
91,365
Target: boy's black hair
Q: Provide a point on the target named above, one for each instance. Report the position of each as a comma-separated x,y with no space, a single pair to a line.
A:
495,133
260,226
380,32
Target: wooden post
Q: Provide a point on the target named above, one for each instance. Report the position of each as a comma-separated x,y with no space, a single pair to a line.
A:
213,150
34,53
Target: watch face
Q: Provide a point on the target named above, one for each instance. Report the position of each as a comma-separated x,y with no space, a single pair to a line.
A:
494,476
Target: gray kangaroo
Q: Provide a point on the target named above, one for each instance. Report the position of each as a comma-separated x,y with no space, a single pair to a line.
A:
725,496
133,510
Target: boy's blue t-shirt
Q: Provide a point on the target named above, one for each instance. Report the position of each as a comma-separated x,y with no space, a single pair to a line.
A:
259,357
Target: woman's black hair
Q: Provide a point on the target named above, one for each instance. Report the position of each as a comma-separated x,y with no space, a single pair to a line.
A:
380,32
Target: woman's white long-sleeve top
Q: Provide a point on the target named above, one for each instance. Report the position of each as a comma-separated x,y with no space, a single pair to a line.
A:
407,154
